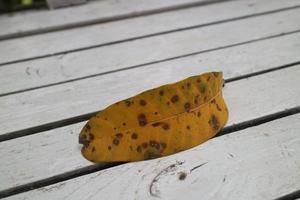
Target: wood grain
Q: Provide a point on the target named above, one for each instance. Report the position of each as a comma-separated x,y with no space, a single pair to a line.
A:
28,22
138,52
240,165
90,36
57,151
44,105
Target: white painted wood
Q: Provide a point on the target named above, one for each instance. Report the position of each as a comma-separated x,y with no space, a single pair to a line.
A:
93,61
57,151
260,163
62,41
54,103
24,22
62,3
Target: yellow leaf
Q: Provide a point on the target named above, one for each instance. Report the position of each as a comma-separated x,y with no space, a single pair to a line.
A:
157,122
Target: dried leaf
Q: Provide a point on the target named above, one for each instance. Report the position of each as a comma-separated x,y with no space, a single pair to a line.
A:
157,122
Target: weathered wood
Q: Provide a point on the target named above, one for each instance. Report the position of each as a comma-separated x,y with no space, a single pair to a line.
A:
62,3
44,105
83,37
257,163
23,23
57,151
100,60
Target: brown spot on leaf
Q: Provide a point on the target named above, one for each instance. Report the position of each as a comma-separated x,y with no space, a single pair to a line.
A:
188,84
154,144
143,102
198,80
161,92
88,127
127,103
218,107
199,114
83,140
188,127
182,87
156,124
116,141
214,122
213,101
175,98
119,135
134,136
124,124
155,113
142,119
208,78
150,155
109,147
187,106
168,103
165,126
91,137
139,149
93,149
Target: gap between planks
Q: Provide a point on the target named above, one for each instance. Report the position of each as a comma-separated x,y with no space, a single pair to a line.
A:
129,15
266,86
92,46
97,167
63,68
84,117
291,196
150,63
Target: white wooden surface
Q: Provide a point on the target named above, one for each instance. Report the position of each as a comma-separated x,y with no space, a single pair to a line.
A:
38,45
240,165
71,99
265,94
99,60
262,162
29,21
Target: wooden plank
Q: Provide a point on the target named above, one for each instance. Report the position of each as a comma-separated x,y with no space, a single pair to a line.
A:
257,163
58,102
70,66
27,22
99,34
57,151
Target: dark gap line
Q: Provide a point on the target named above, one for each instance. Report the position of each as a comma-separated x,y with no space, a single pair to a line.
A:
130,15
149,63
259,121
85,117
148,36
96,167
290,196
46,127
262,72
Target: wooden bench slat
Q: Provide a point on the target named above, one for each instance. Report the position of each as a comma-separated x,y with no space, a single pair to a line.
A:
58,102
60,68
261,162
84,37
57,151
28,22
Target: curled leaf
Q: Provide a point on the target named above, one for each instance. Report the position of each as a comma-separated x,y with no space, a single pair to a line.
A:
157,122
